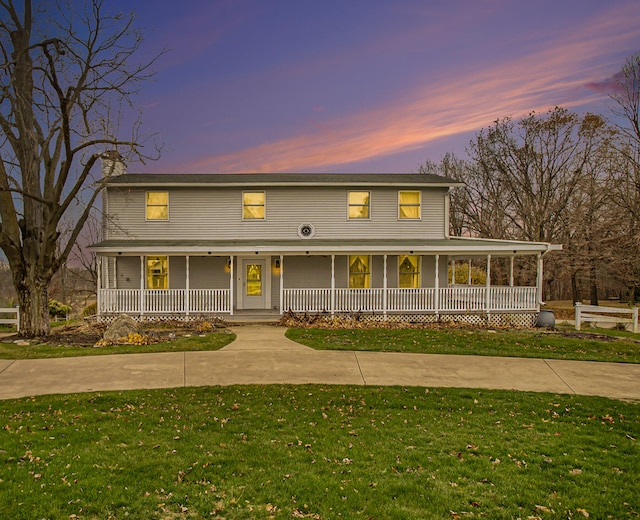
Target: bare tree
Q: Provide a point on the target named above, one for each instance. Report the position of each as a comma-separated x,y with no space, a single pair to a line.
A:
530,170
63,75
461,201
625,181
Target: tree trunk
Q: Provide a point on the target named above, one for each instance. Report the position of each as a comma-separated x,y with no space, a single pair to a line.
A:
575,292
593,280
33,299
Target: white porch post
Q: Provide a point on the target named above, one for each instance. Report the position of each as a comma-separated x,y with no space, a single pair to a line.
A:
231,285
333,284
99,288
281,282
511,272
488,284
187,296
437,286
453,272
539,280
141,285
384,289
469,273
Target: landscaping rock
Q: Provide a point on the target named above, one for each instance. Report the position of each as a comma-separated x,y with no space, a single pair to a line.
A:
121,328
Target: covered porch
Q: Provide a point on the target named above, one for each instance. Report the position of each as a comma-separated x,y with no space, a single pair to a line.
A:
381,278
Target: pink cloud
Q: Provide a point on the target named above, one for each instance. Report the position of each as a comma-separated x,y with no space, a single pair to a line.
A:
606,85
451,105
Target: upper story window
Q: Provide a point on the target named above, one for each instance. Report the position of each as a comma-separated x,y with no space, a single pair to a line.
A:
409,272
359,204
359,272
409,205
253,205
157,272
157,205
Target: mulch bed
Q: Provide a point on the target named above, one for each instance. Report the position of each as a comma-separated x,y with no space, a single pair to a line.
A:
88,334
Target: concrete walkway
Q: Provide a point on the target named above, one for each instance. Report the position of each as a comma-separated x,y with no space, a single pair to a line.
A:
262,355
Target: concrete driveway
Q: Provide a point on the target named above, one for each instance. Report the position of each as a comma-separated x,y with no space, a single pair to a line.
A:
262,355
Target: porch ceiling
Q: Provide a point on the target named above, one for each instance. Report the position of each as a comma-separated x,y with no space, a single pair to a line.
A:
457,247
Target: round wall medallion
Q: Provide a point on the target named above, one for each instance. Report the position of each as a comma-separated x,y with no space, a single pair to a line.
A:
306,230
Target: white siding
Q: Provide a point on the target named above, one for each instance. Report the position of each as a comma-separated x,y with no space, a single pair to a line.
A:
217,213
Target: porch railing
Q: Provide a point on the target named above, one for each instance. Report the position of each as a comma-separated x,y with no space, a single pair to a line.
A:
166,301
448,299
208,301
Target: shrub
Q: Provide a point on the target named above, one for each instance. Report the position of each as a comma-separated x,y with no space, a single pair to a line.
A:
58,309
90,310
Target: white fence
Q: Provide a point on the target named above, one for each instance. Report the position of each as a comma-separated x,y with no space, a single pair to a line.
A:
11,321
450,299
427,300
597,314
169,301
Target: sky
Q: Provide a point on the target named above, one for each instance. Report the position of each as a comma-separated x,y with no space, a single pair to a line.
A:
367,86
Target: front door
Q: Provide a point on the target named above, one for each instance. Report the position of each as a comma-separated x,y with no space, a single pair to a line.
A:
254,286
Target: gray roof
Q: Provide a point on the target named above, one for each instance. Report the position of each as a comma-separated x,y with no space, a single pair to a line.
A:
282,179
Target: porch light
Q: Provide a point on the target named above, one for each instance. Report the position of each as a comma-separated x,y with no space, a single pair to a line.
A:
277,263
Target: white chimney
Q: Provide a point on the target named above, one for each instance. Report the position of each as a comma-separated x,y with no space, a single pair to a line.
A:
113,164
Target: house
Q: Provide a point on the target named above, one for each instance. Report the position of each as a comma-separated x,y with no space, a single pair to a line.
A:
187,245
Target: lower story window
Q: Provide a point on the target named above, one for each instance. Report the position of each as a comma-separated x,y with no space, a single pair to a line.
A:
409,272
359,272
157,272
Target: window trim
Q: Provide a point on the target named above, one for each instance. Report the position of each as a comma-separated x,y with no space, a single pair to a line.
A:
263,206
369,273
350,205
147,206
146,272
418,272
419,205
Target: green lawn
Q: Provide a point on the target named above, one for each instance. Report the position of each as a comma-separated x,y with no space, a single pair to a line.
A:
213,341
319,452
563,344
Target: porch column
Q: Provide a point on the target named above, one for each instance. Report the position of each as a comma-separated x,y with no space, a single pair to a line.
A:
384,288
281,282
488,284
231,285
141,285
469,273
333,284
511,272
539,280
437,286
99,282
453,272
187,296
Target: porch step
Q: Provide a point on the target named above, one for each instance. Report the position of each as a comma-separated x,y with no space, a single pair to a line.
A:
253,317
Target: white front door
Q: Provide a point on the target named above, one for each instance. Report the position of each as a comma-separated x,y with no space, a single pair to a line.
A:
254,283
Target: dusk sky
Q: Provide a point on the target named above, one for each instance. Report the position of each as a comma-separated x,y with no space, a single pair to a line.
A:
365,86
